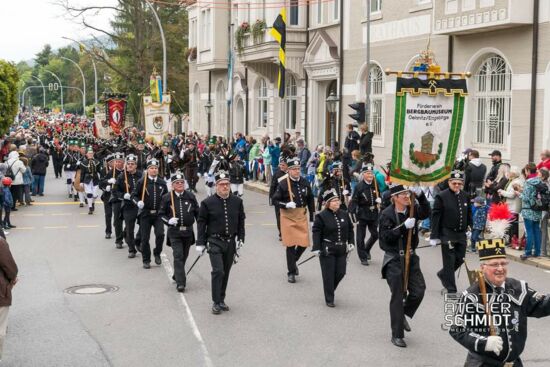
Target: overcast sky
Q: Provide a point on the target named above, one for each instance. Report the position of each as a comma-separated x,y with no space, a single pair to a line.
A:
27,25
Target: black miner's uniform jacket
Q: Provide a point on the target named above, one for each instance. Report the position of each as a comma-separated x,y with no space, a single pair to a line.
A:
302,195
186,209
519,301
393,233
119,188
274,182
153,194
332,231
363,201
218,217
451,216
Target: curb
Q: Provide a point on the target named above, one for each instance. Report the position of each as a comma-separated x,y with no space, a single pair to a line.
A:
543,262
259,188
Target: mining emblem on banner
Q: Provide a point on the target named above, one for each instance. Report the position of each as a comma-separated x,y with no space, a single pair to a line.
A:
157,118
115,110
429,108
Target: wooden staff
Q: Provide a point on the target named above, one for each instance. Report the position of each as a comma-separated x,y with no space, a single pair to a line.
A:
346,201
290,194
144,186
376,190
408,249
483,292
173,206
126,180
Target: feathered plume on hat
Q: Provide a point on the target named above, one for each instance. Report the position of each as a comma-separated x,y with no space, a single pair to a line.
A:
498,221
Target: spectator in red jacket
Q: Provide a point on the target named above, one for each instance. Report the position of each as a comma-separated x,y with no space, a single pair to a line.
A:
544,160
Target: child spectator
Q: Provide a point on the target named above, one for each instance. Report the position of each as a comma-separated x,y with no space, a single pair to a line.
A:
480,219
8,203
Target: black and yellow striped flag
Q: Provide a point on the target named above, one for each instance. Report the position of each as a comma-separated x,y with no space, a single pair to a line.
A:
278,31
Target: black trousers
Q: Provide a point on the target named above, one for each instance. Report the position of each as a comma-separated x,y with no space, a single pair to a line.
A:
17,194
278,218
191,176
474,360
453,257
180,249
333,269
146,222
416,289
221,260
117,220
57,168
364,248
108,207
129,212
293,254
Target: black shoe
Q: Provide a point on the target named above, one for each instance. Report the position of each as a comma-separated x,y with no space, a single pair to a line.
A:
291,278
131,255
296,272
223,306
75,198
118,244
406,325
11,226
70,196
81,205
107,235
157,260
146,266
216,309
180,288
90,211
14,209
40,194
174,278
524,257
280,238
399,342
331,304
365,262
368,256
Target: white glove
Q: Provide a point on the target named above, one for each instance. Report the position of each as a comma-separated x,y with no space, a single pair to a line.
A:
200,250
417,190
127,196
351,247
141,204
435,242
112,180
316,252
469,234
205,175
108,188
345,192
494,344
169,160
173,221
291,205
240,244
378,201
198,175
356,175
78,163
409,223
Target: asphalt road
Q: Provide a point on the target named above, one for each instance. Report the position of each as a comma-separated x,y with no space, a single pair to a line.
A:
271,322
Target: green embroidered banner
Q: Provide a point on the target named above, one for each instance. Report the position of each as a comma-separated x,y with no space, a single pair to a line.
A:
428,120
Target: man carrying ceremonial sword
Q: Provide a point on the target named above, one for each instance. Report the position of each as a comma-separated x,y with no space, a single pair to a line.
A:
401,264
294,198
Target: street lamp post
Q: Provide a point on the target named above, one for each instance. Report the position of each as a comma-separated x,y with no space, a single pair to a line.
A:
208,107
93,64
83,82
164,69
43,91
332,103
60,86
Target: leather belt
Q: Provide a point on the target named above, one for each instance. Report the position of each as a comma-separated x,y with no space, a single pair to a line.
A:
338,243
153,211
371,207
183,228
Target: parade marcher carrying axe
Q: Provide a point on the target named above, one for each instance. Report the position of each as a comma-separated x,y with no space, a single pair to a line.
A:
399,240
491,318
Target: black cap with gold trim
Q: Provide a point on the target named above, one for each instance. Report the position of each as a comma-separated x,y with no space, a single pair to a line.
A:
494,248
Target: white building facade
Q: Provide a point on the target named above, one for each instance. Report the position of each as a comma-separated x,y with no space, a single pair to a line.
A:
326,52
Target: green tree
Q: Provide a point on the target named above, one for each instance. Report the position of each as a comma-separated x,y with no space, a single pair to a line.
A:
9,79
43,57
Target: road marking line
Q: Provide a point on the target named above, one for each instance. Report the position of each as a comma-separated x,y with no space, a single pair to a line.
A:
23,228
268,224
60,214
90,226
255,212
62,203
32,215
169,271
56,227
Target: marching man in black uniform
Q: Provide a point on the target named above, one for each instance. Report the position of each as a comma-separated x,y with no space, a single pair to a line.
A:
126,184
282,171
338,183
364,206
115,200
294,192
332,233
179,210
507,302
395,223
236,175
220,228
451,217
191,164
90,178
70,166
106,195
147,196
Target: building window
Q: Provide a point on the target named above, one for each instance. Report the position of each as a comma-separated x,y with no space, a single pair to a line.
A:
294,12
193,34
375,6
319,12
376,90
262,103
451,6
220,108
206,28
291,103
197,106
468,5
492,98
335,10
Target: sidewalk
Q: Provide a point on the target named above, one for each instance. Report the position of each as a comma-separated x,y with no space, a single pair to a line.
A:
542,262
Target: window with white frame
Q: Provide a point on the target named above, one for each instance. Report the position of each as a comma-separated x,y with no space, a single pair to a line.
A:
336,10
375,6
294,12
221,104
291,103
262,103
319,12
468,5
451,6
376,90
206,28
193,33
423,2
262,11
197,106
492,101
